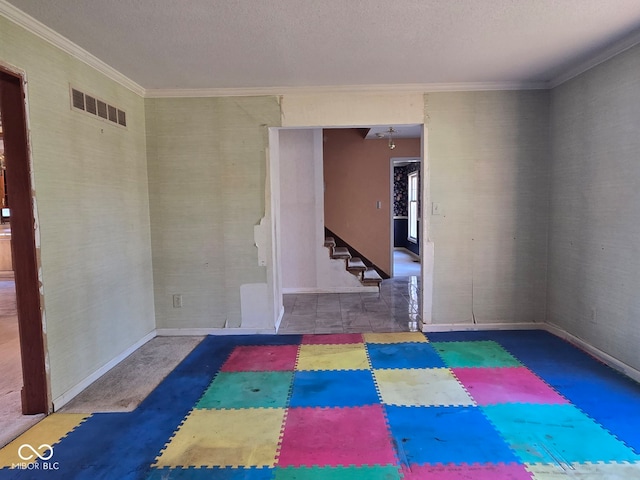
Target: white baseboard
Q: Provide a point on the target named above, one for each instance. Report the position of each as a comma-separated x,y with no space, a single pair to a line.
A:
201,332
279,321
463,327
406,250
79,387
363,289
596,352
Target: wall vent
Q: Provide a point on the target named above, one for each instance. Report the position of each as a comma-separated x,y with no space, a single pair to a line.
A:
99,108
91,105
78,98
102,109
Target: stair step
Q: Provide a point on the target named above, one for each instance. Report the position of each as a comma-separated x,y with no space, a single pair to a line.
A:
371,277
356,265
341,252
329,242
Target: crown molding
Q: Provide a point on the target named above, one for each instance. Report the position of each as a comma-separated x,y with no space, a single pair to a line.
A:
393,88
604,55
39,29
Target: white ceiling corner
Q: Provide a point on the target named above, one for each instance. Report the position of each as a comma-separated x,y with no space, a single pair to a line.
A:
39,29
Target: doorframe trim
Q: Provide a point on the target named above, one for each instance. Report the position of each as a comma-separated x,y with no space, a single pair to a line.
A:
25,246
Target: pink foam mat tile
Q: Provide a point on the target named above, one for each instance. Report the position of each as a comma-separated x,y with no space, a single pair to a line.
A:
267,358
336,437
332,339
498,471
490,386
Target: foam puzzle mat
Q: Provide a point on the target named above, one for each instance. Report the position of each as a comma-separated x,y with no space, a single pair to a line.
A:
510,405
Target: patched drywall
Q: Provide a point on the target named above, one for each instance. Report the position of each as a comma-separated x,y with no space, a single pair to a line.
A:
594,229
207,176
90,182
489,165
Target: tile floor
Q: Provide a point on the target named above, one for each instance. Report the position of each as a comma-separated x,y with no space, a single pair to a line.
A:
503,405
394,309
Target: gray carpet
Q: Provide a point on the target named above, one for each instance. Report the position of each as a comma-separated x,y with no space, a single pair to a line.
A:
123,387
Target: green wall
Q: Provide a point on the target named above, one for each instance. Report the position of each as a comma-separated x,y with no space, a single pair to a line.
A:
594,224
207,173
489,164
90,183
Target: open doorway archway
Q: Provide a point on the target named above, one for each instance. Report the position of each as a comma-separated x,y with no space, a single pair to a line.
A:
35,398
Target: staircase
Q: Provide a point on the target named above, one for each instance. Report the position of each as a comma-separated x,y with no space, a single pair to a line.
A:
354,265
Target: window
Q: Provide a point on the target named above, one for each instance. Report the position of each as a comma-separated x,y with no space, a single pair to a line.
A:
412,188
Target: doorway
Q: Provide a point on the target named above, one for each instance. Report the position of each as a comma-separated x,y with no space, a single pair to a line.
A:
18,215
405,216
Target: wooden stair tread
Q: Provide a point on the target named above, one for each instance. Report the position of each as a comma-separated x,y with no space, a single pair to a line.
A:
356,264
341,252
329,242
371,277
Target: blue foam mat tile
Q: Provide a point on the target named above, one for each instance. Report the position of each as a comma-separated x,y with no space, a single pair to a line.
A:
483,335
211,473
403,355
291,339
115,445
327,388
429,435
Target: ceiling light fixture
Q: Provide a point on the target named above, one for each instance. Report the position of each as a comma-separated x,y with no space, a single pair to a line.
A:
392,144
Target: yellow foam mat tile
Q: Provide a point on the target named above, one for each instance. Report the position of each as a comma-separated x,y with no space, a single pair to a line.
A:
585,471
421,387
399,337
351,356
47,432
218,438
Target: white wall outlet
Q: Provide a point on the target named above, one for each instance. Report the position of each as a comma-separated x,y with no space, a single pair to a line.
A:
593,314
435,208
177,300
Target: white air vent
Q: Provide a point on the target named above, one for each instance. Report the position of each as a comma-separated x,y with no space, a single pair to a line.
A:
99,108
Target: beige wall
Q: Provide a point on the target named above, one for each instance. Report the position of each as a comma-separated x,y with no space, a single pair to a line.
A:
207,175
489,165
594,228
357,175
90,181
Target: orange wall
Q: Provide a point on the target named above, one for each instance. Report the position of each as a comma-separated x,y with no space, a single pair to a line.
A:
357,175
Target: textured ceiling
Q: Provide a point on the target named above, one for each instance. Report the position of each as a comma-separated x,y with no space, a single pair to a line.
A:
196,44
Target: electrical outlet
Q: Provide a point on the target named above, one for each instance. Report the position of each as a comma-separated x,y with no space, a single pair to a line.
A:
593,314
177,301
435,208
